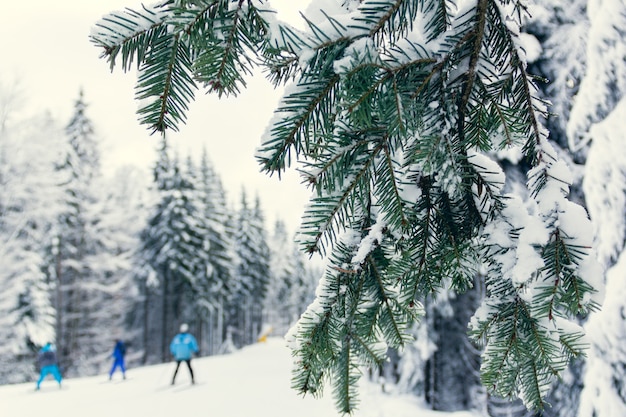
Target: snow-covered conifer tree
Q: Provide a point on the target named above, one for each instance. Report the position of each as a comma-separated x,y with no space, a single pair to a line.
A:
251,274
126,207
118,219
221,255
596,128
175,245
29,203
282,273
69,266
393,109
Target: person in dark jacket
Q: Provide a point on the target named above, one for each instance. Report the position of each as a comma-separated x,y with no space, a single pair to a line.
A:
48,364
119,352
183,347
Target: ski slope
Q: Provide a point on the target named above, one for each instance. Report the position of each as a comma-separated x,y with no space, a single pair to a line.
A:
252,382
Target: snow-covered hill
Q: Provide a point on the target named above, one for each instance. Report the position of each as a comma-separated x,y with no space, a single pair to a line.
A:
253,382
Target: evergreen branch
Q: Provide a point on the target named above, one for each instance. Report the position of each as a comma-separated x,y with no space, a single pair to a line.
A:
398,108
534,382
540,342
130,32
440,17
168,88
229,40
421,267
292,131
283,52
330,212
291,41
370,90
373,356
566,290
307,376
517,66
337,157
571,343
391,18
397,336
386,142
345,380
319,33
495,372
388,192
193,20
410,273
470,75
503,123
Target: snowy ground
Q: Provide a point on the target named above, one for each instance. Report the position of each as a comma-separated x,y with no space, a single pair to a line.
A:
253,382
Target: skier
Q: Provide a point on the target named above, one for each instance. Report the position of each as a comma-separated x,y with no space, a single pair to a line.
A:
183,346
119,351
48,364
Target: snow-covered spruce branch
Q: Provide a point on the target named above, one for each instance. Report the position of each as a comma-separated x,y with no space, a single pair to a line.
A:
394,107
130,32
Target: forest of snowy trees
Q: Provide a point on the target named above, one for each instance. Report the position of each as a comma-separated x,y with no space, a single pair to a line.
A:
89,259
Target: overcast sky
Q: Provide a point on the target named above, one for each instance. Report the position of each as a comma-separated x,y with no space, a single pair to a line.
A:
44,46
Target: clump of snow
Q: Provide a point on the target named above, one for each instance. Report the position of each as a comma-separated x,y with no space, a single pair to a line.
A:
605,79
368,243
530,47
606,329
605,181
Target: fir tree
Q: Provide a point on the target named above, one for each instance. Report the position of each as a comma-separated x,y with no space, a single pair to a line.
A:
74,243
251,274
221,256
29,203
278,302
595,129
560,29
126,203
292,281
393,108
174,244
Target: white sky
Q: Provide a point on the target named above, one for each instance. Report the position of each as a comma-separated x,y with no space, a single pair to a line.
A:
252,382
44,47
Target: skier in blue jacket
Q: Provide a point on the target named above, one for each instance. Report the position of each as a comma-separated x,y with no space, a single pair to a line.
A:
183,347
48,364
119,351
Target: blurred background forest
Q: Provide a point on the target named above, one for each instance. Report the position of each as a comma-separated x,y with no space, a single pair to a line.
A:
87,258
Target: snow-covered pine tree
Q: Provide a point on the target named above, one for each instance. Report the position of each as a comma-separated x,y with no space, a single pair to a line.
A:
29,204
393,107
261,267
150,285
292,282
70,268
249,285
126,204
559,29
277,303
201,285
118,218
305,278
174,245
220,268
596,129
